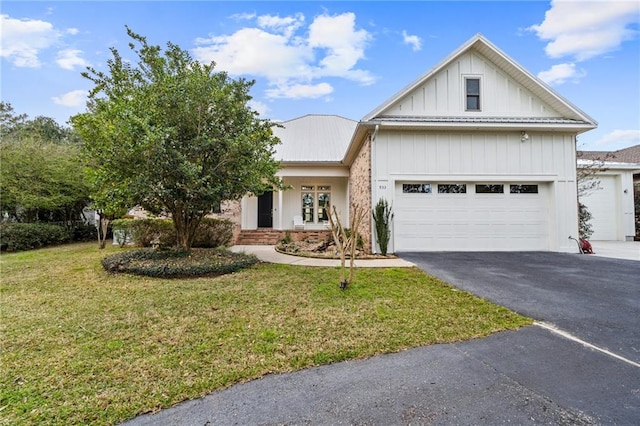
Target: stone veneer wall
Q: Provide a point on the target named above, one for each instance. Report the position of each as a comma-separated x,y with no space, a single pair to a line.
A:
232,211
360,190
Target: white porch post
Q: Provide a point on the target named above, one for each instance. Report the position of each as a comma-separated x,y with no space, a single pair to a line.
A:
280,227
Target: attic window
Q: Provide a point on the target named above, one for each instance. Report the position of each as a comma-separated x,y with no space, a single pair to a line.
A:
472,88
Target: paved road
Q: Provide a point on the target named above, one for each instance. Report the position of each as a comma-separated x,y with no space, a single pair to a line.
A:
528,377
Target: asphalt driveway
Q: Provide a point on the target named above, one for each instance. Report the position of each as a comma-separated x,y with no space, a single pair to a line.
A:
530,376
596,299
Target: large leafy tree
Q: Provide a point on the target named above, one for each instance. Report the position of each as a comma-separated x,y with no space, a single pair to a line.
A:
174,136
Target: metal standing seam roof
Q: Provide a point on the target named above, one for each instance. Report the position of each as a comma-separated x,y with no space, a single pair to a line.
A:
314,138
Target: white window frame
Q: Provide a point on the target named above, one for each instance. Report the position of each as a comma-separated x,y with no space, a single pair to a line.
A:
316,189
465,94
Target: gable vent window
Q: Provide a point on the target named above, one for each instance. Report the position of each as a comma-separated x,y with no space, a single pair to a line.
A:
473,94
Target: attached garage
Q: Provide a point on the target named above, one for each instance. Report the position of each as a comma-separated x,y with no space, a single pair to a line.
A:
474,155
471,216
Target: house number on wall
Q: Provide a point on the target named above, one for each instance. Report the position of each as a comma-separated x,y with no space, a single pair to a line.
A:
382,187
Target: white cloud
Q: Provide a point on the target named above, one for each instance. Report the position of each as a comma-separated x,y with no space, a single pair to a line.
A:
620,138
260,107
300,91
287,25
254,51
70,58
344,46
72,31
243,16
412,40
71,99
22,40
561,73
291,59
585,29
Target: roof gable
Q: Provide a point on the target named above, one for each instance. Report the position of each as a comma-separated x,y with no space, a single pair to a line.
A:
313,138
507,91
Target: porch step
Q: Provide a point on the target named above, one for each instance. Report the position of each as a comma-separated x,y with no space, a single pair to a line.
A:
269,237
259,237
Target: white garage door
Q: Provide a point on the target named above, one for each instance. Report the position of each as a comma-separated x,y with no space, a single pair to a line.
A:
603,205
432,216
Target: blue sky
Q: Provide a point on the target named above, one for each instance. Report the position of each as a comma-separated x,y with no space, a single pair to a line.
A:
332,57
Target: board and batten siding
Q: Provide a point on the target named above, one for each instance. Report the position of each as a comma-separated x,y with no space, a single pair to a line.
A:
484,157
444,93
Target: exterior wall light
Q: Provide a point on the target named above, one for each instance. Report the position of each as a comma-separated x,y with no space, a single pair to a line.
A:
524,136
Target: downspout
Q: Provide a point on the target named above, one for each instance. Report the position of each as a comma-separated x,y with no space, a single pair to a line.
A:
374,187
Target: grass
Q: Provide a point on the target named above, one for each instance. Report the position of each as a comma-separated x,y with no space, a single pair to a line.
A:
81,346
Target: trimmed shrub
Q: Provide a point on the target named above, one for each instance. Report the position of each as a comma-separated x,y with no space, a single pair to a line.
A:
177,263
153,232
160,233
84,232
16,236
214,233
122,231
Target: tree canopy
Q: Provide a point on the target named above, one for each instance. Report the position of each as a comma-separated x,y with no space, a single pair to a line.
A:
173,135
42,174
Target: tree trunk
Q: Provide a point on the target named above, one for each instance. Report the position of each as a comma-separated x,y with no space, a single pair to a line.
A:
103,227
356,218
186,225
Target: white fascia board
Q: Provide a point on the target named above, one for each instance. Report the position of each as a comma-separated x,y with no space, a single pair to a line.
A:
313,171
607,165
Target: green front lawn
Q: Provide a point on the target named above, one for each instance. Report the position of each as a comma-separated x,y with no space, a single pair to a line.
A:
80,346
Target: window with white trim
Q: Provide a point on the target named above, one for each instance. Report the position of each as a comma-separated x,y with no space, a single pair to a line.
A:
315,203
472,91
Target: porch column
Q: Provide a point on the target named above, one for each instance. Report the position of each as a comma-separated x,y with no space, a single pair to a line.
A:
280,227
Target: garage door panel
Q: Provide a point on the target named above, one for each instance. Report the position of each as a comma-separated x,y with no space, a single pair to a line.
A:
474,222
603,204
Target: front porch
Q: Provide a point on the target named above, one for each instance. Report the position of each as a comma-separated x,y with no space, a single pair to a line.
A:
304,206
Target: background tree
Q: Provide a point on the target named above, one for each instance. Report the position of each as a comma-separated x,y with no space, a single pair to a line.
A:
42,174
588,171
15,127
173,136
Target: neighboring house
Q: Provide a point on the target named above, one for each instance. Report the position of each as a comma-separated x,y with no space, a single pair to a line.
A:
476,154
611,203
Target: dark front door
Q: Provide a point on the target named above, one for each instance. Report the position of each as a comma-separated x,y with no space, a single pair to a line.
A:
265,210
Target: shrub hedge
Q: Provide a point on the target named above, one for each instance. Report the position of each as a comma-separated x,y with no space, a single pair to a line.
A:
15,236
178,264
161,233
